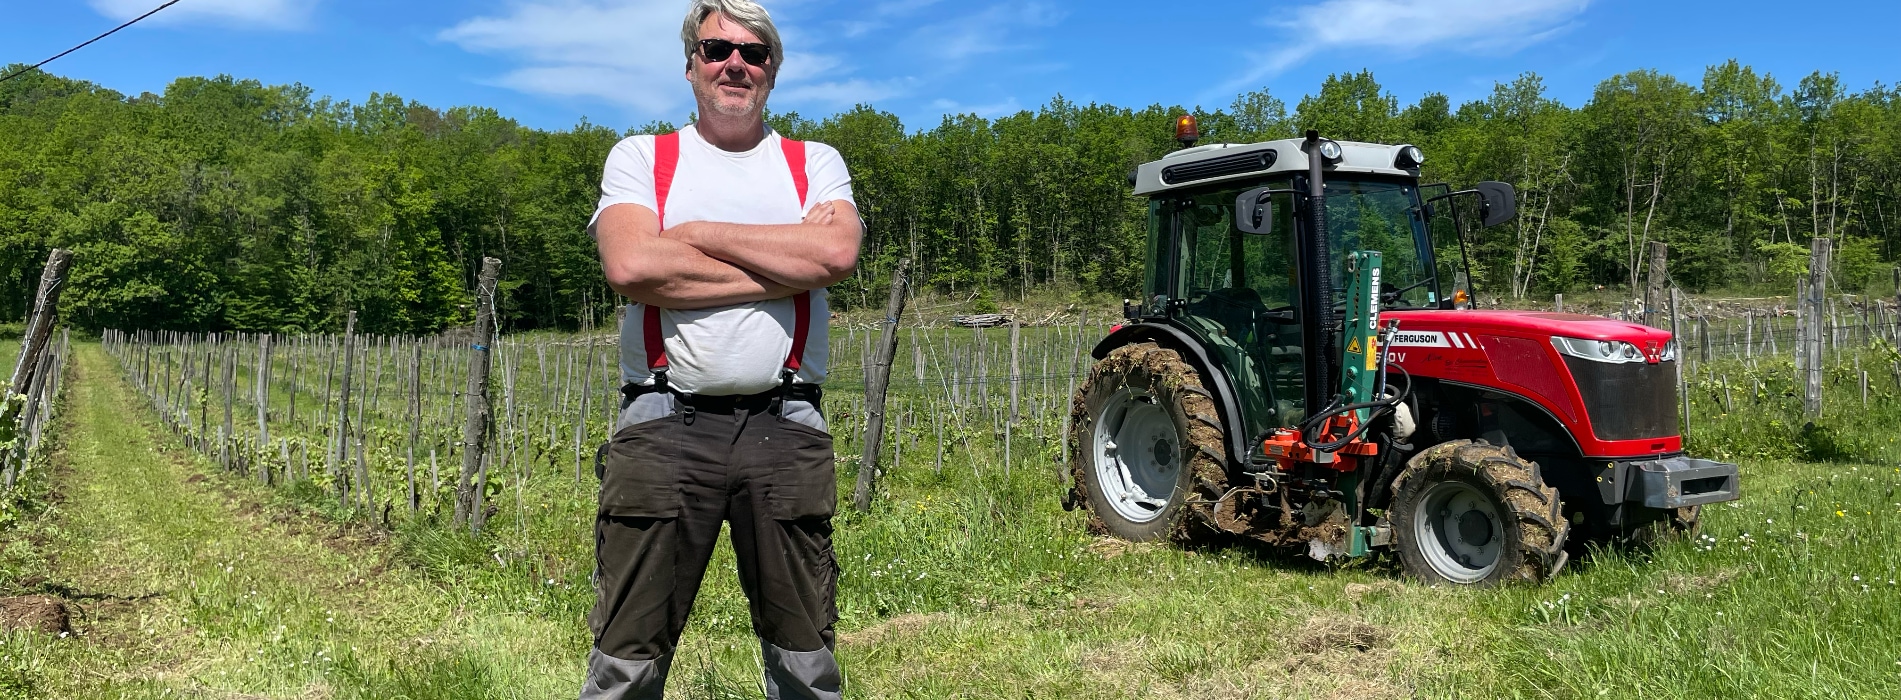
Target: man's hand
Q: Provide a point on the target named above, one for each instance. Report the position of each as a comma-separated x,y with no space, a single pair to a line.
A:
819,251
643,266
820,215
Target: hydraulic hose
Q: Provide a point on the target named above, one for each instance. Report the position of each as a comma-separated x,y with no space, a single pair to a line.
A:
1381,407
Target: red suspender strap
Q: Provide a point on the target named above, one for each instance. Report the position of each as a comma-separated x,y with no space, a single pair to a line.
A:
801,302
795,161
666,159
650,334
801,327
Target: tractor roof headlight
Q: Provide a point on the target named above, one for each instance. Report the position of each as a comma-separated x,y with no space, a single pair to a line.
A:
1331,151
1608,351
1409,158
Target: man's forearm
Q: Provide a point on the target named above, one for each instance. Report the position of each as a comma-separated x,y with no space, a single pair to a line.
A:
802,256
674,275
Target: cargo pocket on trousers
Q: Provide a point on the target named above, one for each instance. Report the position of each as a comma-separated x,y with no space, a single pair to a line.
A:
640,478
804,482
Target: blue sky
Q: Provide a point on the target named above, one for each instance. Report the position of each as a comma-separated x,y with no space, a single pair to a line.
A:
549,63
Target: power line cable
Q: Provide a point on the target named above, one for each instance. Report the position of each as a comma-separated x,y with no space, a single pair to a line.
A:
62,54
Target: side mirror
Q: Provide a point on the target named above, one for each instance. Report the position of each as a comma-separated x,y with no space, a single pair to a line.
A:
1500,202
1254,211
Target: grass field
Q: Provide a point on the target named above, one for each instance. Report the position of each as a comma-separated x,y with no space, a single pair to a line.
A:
964,580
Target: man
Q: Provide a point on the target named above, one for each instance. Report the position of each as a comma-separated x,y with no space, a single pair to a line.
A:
725,235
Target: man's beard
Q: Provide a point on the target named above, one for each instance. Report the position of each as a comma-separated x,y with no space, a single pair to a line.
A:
723,106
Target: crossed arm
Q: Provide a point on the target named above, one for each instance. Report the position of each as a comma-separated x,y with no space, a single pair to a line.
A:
703,264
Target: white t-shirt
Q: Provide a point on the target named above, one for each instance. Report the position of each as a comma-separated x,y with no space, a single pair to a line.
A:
737,349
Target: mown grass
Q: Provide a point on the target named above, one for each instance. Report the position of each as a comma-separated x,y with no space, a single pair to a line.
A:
184,583
973,582
970,583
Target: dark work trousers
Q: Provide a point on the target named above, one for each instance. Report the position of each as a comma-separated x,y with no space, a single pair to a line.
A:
667,484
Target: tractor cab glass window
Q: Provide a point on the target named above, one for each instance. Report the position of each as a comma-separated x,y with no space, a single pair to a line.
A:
1443,227
1382,216
1156,282
1239,294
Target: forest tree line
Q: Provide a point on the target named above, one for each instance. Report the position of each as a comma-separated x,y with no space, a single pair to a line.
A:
225,204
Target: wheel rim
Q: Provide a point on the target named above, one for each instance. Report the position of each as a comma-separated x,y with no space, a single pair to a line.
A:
1138,456
1459,532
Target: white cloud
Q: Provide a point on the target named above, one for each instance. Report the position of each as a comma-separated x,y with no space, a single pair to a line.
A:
271,14
989,31
1408,27
1007,106
840,93
628,52
801,66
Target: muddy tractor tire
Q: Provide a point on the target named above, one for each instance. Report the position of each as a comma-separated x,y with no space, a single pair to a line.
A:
1469,513
1148,455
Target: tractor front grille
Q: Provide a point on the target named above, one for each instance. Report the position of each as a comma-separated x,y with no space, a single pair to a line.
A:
1627,401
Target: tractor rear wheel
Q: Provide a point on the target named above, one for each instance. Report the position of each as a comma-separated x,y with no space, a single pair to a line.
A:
1147,444
1469,513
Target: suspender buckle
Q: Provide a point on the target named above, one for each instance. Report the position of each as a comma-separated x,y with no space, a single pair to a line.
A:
785,391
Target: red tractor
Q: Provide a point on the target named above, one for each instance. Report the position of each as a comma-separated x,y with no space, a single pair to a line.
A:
1304,370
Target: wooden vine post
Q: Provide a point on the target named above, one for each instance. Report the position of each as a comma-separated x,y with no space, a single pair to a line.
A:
475,429
261,388
1814,311
1682,356
415,420
40,328
340,442
877,380
29,374
1654,284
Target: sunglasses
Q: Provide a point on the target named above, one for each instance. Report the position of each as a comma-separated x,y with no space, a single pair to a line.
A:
716,50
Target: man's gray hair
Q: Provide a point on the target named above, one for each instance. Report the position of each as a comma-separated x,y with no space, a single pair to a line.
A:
746,12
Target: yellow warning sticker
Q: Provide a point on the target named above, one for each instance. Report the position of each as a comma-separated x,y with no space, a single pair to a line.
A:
1354,344
1373,358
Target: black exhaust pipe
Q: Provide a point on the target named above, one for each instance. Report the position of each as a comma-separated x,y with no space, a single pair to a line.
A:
1316,283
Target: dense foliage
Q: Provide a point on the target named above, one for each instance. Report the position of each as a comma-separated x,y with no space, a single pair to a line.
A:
227,204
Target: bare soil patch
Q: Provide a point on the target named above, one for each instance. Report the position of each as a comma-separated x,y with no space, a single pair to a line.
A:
43,613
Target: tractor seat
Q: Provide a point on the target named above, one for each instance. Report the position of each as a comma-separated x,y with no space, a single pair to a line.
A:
1233,308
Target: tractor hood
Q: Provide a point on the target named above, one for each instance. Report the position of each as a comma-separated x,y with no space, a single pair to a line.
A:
1527,324
1614,406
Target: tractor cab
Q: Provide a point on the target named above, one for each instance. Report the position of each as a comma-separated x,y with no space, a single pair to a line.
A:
1232,280
1304,369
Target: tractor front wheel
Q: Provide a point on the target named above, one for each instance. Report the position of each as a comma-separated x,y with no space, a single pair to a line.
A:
1469,513
1144,430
